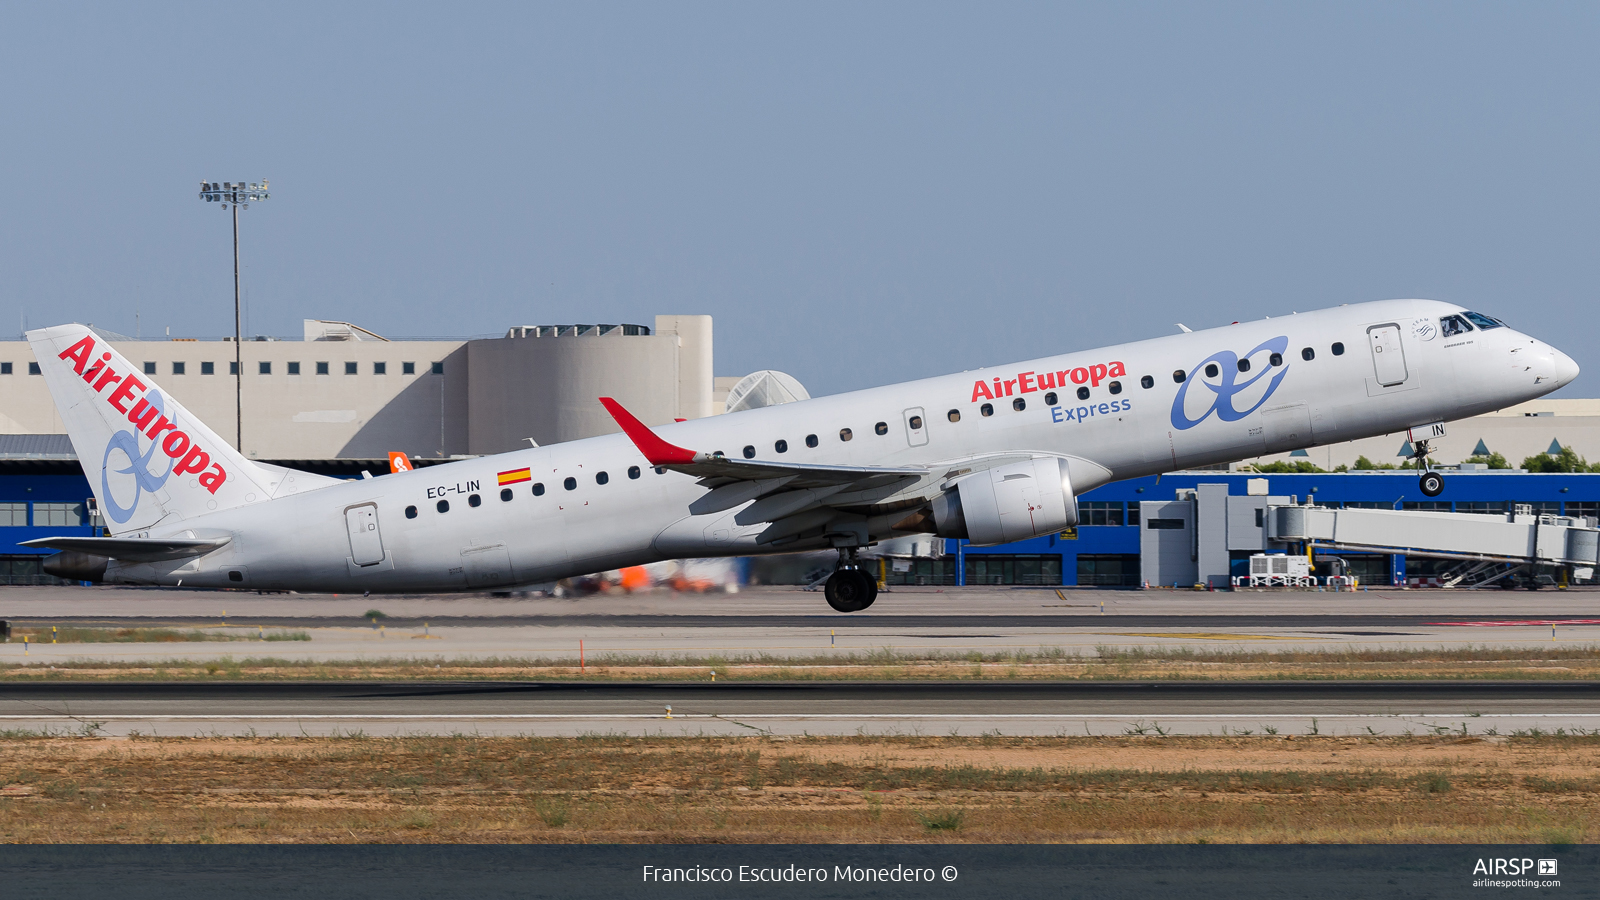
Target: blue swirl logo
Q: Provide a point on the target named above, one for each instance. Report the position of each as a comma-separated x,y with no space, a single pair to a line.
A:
144,481
1228,387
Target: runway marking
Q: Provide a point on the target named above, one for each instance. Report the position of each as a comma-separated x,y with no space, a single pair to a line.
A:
1514,622
1205,635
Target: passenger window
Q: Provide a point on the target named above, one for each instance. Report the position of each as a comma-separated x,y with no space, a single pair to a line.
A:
1244,365
811,440
1337,348
845,435
1179,376
881,428
633,471
505,494
1211,370
1275,359
538,489
1308,354
601,478
1116,387
570,484
1019,404
916,423
411,512
749,451
781,446
1450,326
474,501
442,506
1083,393
1050,399
987,409
953,415
1482,321
1146,382
661,470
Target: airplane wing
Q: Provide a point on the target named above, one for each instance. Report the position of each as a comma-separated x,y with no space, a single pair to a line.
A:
130,549
786,494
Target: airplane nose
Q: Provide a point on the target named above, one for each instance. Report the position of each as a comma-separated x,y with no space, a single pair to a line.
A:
1566,367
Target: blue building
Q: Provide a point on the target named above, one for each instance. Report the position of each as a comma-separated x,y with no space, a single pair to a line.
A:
1104,549
43,493
48,495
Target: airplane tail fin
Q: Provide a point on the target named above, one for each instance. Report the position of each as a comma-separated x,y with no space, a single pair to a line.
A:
148,460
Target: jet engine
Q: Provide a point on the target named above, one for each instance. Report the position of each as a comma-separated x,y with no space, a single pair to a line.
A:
1008,503
75,566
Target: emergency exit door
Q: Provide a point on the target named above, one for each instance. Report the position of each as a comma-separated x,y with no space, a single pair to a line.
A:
916,427
1388,360
366,544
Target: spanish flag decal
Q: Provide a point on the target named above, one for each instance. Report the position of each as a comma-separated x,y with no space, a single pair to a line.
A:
515,476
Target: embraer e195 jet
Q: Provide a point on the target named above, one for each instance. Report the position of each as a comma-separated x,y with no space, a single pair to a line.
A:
993,455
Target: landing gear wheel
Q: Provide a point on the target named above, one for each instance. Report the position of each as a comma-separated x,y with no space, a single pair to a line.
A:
1432,484
872,590
849,590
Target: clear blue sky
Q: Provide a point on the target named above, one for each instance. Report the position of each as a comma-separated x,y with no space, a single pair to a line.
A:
860,193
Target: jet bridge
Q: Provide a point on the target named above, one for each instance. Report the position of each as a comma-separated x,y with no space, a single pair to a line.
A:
1489,548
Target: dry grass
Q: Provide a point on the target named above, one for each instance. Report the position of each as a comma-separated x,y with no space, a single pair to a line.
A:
1106,664
601,789
72,634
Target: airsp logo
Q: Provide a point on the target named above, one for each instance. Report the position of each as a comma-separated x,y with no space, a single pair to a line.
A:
1513,866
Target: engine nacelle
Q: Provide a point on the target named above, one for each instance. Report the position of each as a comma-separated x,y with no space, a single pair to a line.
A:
75,566
1008,503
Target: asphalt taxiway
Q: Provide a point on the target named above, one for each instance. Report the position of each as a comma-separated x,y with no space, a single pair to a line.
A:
971,708
790,623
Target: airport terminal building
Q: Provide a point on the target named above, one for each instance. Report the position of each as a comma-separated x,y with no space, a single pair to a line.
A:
341,398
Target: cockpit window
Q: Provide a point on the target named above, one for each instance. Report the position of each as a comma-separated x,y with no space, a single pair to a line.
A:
1482,321
1453,325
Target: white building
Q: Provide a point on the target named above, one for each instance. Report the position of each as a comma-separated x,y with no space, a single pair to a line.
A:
346,392
1516,432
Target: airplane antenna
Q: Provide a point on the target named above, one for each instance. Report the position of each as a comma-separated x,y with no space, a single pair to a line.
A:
532,443
1184,328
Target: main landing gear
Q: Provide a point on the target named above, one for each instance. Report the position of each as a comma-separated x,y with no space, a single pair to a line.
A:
849,588
1431,483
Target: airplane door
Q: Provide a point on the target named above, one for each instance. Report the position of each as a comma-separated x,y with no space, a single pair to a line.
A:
366,543
1388,361
916,427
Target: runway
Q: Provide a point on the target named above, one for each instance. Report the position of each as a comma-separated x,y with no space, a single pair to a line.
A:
873,708
787,623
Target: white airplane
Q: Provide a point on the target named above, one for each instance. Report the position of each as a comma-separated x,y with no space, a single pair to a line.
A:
993,455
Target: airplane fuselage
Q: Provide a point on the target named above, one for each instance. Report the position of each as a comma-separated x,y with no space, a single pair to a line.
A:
1119,412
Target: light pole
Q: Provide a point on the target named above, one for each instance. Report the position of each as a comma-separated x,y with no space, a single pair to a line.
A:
236,194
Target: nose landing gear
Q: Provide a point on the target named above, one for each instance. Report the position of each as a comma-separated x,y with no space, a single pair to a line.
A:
850,589
1431,483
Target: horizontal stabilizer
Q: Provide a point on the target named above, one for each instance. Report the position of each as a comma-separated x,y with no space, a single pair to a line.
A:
131,549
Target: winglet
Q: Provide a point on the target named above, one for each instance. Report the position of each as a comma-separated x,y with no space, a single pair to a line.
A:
656,450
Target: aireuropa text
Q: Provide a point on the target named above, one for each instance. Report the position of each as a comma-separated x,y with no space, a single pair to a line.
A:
786,873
